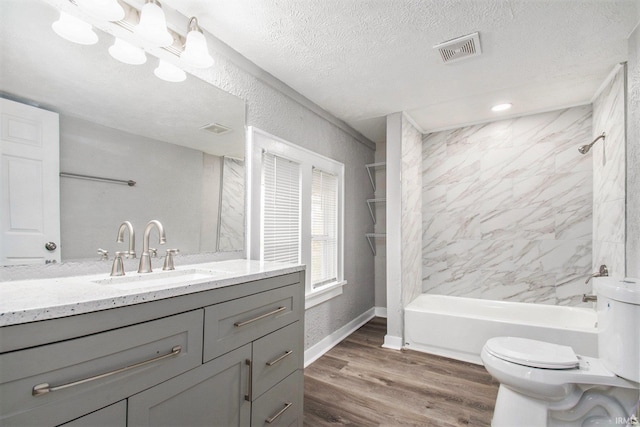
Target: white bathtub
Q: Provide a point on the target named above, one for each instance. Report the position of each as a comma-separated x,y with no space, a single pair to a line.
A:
458,327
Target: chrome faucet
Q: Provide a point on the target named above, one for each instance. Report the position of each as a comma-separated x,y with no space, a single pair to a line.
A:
602,272
126,225
145,258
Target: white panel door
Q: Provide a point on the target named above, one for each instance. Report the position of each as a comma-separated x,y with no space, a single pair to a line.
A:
30,185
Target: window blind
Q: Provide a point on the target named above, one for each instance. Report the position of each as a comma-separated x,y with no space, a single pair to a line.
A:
324,228
280,209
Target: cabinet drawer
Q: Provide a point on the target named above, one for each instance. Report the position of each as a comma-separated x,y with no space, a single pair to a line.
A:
275,356
112,416
85,374
280,406
234,323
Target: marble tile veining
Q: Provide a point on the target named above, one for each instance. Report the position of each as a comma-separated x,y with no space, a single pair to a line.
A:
507,209
609,177
232,206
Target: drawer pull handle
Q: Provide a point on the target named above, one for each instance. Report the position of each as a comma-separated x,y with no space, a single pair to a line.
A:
45,388
286,406
255,319
248,396
273,362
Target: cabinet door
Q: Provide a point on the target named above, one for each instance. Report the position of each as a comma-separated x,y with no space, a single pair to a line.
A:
212,394
281,406
112,416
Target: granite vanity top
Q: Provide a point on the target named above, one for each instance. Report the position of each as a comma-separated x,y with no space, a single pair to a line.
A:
26,301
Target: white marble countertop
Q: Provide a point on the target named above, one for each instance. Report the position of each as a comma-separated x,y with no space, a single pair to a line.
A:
26,301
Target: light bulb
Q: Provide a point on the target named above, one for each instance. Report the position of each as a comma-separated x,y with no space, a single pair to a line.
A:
127,53
75,30
169,72
196,53
153,25
108,10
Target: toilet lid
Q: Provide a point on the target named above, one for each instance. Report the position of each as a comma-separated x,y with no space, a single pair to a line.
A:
537,354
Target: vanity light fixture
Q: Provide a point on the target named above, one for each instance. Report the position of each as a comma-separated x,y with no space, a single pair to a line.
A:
75,30
108,10
153,25
196,53
126,52
168,72
501,107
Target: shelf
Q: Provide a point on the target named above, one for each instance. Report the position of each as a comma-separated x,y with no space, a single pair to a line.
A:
370,238
370,202
371,166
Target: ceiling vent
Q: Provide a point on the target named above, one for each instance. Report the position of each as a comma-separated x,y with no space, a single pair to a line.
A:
216,128
459,48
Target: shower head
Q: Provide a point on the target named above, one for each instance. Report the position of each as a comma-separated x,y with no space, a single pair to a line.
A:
584,149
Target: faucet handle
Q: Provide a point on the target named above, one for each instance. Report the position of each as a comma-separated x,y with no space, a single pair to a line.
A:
104,254
168,259
129,254
603,271
153,252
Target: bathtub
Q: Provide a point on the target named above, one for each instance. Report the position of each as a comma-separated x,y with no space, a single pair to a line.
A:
458,327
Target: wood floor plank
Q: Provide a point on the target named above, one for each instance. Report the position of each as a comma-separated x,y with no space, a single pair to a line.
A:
358,383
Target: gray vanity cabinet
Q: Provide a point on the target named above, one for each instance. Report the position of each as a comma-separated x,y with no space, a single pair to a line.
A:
230,356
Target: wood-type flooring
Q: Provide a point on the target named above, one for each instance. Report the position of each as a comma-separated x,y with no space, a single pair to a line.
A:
359,383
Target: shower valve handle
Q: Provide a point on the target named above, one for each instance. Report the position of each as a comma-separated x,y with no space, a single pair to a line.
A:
602,272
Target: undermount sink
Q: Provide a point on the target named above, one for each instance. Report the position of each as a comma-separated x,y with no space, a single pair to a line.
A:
160,278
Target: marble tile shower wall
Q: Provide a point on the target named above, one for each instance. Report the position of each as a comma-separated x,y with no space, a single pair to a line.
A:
232,206
507,209
609,177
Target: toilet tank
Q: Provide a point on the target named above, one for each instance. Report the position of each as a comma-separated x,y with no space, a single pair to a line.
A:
619,325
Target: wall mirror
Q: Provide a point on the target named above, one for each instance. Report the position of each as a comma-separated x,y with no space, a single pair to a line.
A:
119,121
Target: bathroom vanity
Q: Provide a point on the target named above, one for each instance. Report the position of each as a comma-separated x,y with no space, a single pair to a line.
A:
210,344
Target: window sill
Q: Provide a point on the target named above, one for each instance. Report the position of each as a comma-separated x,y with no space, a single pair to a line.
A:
323,294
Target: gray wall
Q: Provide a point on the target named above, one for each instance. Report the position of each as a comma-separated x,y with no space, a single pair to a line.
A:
168,180
633,156
278,110
507,209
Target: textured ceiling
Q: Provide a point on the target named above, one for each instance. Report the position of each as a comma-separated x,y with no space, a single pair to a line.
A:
364,59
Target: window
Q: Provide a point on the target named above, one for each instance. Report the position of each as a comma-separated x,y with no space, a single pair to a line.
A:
295,211
280,209
324,228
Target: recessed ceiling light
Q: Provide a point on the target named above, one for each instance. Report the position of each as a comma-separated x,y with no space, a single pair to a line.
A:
501,107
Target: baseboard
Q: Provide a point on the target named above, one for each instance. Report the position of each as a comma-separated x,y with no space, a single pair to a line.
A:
394,343
327,343
381,312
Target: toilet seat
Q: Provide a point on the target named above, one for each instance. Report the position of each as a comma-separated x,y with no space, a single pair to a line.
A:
532,353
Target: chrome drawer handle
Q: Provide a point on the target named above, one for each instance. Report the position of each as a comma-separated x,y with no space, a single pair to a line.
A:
286,406
45,388
246,322
273,362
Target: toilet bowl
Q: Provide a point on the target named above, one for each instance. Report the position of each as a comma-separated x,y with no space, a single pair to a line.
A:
544,384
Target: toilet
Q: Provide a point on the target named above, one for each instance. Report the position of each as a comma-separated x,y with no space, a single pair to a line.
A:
544,384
